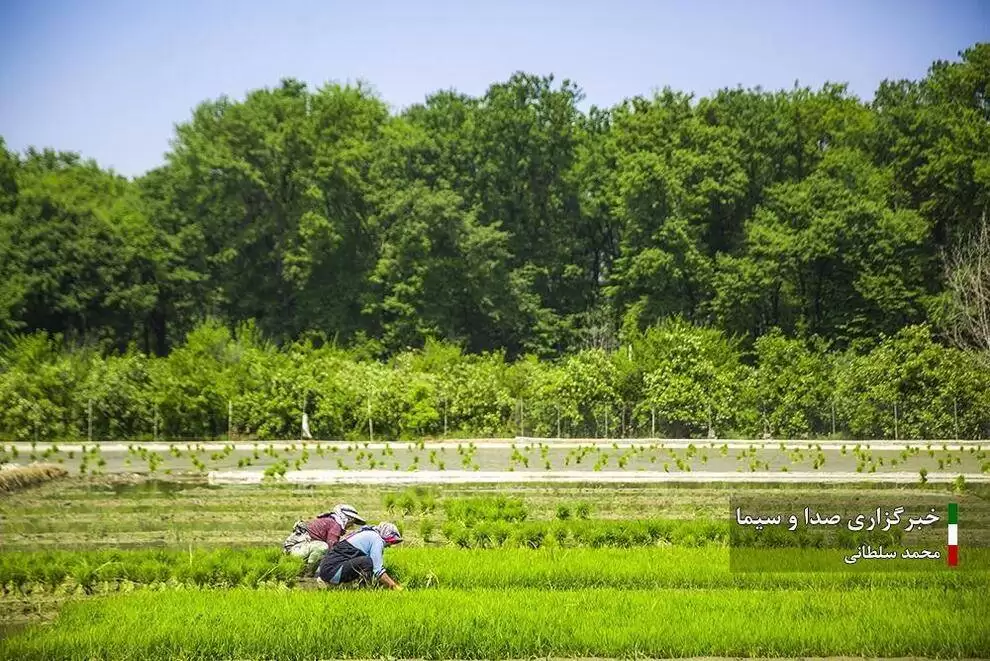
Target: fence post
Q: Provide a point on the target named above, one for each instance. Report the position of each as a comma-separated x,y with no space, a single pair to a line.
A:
606,421
445,417
653,422
89,414
558,422
230,417
155,432
955,415
833,416
895,420
371,426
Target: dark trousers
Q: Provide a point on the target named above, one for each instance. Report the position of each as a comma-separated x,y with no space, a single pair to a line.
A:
351,562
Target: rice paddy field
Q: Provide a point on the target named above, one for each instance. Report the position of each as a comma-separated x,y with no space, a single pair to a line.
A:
114,559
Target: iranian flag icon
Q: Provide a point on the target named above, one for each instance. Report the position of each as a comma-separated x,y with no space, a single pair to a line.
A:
953,547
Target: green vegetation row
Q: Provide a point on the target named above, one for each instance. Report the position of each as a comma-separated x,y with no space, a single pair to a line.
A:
673,379
590,533
513,624
89,572
478,534
13,479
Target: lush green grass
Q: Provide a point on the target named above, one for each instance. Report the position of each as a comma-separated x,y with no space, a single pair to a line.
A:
667,567
66,572
504,624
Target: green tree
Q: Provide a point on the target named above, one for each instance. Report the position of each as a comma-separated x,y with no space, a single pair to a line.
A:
791,386
278,186
696,381
847,262
911,387
78,252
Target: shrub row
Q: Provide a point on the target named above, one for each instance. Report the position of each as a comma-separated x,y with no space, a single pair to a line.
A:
670,380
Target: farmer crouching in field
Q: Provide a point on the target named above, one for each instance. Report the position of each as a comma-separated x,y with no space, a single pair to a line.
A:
312,540
358,557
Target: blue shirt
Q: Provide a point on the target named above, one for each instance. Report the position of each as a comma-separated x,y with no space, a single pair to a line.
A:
372,545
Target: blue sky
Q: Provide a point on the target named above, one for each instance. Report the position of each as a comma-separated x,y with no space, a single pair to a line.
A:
110,78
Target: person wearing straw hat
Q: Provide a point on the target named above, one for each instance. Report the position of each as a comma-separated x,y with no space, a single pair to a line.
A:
359,557
313,539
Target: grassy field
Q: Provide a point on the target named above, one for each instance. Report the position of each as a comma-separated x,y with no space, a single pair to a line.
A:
516,623
492,571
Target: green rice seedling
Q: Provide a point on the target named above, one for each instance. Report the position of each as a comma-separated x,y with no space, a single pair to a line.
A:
426,529
427,499
407,503
529,536
482,535
460,536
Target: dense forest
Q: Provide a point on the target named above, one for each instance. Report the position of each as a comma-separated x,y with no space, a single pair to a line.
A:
752,262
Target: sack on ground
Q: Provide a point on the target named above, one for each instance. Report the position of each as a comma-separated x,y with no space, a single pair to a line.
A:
299,535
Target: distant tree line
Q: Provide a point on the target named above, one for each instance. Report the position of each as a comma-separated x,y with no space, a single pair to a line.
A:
514,225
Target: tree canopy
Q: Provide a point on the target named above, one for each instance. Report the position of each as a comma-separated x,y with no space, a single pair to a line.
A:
515,221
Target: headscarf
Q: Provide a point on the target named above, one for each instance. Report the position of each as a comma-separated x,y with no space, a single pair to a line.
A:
388,532
344,515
